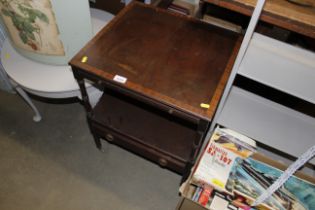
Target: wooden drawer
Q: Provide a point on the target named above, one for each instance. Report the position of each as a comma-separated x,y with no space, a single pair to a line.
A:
140,148
141,98
146,130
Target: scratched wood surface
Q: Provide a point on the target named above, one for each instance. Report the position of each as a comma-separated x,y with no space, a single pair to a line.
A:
300,19
171,58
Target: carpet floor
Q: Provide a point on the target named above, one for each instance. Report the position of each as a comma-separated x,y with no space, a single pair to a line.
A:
54,164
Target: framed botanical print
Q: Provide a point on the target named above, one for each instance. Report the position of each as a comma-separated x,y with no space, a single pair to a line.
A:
32,26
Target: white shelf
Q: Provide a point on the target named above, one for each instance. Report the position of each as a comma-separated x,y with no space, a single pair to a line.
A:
281,66
268,122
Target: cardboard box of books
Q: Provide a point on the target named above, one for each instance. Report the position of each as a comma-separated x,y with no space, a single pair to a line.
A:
231,174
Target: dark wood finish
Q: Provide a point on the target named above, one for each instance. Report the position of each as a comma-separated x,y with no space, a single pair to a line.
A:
112,6
115,6
189,56
84,94
173,64
277,12
147,127
165,3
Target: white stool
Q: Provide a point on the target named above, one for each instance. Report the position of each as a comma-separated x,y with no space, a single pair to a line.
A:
45,80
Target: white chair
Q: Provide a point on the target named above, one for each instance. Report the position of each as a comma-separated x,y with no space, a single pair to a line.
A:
44,80
4,80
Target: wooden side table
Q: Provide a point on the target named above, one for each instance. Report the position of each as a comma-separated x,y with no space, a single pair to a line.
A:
162,75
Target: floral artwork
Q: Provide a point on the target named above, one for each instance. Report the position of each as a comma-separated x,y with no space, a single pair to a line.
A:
32,25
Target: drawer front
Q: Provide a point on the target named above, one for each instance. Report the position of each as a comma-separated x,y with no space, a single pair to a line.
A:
111,86
149,101
154,154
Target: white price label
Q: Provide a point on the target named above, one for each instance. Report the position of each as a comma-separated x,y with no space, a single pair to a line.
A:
120,79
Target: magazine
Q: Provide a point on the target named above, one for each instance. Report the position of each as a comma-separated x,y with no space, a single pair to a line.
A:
250,178
227,165
224,148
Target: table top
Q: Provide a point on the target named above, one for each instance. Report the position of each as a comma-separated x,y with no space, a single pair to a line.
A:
282,13
43,78
171,58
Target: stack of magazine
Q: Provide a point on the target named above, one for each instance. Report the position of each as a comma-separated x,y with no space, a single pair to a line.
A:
229,176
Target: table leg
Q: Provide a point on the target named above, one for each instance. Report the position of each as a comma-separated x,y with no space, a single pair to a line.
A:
200,135
37,117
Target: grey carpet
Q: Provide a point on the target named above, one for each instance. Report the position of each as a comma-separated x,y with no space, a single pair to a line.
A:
54,164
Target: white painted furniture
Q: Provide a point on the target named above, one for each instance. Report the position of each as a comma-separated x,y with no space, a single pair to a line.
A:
283,67
280,66
4,80
44,80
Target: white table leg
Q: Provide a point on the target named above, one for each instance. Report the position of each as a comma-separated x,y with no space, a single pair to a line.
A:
37,117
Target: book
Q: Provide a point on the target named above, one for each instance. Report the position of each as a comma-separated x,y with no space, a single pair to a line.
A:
218,202
178,9
252,177
183,7
222,23
233,167
197,194
223,149
205,195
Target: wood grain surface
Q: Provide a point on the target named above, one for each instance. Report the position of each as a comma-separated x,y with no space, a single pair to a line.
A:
281,13
170,58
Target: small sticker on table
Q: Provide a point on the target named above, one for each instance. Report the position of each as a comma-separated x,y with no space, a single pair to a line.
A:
84,59
120,79
206,106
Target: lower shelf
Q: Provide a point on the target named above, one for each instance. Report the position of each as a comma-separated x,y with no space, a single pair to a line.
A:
145,130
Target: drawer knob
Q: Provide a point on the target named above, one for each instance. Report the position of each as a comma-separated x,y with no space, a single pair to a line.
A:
109,137
163,162
170,111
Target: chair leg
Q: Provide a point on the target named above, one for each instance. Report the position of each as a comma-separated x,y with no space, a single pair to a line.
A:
37,117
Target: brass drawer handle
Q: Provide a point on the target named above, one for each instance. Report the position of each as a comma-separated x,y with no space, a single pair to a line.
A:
109,137
163,162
